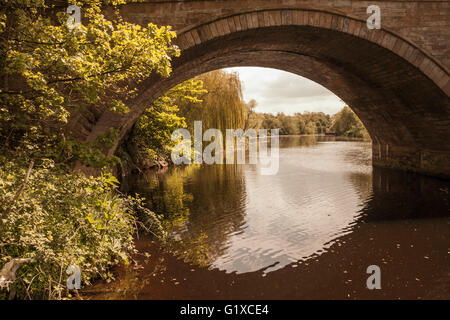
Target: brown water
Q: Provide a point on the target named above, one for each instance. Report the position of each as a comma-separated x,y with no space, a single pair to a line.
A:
308,232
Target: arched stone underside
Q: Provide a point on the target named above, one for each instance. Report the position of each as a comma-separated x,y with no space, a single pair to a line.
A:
400,93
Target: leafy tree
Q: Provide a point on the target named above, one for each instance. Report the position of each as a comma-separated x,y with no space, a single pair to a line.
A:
310,128
301,125
150,138
222,107
49,72
288,124
306,123
347,123
271,122
251,119
215,98
51,218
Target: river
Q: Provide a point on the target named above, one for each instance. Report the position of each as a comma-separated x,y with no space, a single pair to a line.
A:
308,232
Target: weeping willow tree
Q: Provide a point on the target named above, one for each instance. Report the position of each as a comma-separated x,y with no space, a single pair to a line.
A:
215,98
222,107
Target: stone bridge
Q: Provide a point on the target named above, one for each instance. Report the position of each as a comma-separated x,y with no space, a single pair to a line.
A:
396,78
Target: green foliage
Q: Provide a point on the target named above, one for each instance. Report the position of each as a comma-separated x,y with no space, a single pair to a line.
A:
91,153
151,136
344,123
170,195
215,98
167,196
299,123
347,123
48,72
222,107
62,219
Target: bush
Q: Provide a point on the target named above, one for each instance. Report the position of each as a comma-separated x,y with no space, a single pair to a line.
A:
58,219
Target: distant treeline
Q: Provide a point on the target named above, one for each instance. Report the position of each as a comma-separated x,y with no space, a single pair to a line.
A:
343,123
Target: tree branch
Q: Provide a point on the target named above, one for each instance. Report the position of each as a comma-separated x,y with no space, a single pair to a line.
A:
27,176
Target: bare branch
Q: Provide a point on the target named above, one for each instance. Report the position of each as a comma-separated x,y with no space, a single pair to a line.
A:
27,176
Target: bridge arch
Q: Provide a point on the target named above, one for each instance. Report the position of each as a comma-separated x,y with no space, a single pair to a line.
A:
400,93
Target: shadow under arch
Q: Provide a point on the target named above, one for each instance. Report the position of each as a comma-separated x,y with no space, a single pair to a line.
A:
399,92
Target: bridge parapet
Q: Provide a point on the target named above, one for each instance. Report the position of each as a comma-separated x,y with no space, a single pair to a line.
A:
424,23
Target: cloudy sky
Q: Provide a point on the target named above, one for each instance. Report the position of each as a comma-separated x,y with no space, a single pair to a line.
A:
279,91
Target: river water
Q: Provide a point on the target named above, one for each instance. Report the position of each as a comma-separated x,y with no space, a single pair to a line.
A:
308,232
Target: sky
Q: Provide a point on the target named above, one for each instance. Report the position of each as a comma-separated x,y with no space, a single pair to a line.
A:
280,91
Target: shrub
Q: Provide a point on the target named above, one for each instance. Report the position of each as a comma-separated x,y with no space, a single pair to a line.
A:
57,219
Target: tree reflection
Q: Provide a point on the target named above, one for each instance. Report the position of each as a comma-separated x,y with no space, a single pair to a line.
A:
218,195
295,141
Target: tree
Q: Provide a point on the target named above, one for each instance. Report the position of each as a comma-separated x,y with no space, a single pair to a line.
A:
288,125
301,125
347,123
49,73
222,107
251,119
150,137
51,218
215,98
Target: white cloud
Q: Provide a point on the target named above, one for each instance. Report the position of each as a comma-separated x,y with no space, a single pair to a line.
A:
280,91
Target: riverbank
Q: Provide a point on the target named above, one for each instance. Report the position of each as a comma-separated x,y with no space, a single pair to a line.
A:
340,138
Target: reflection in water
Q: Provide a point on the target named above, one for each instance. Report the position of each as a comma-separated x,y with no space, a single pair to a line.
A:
202,206
233,219
308,232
